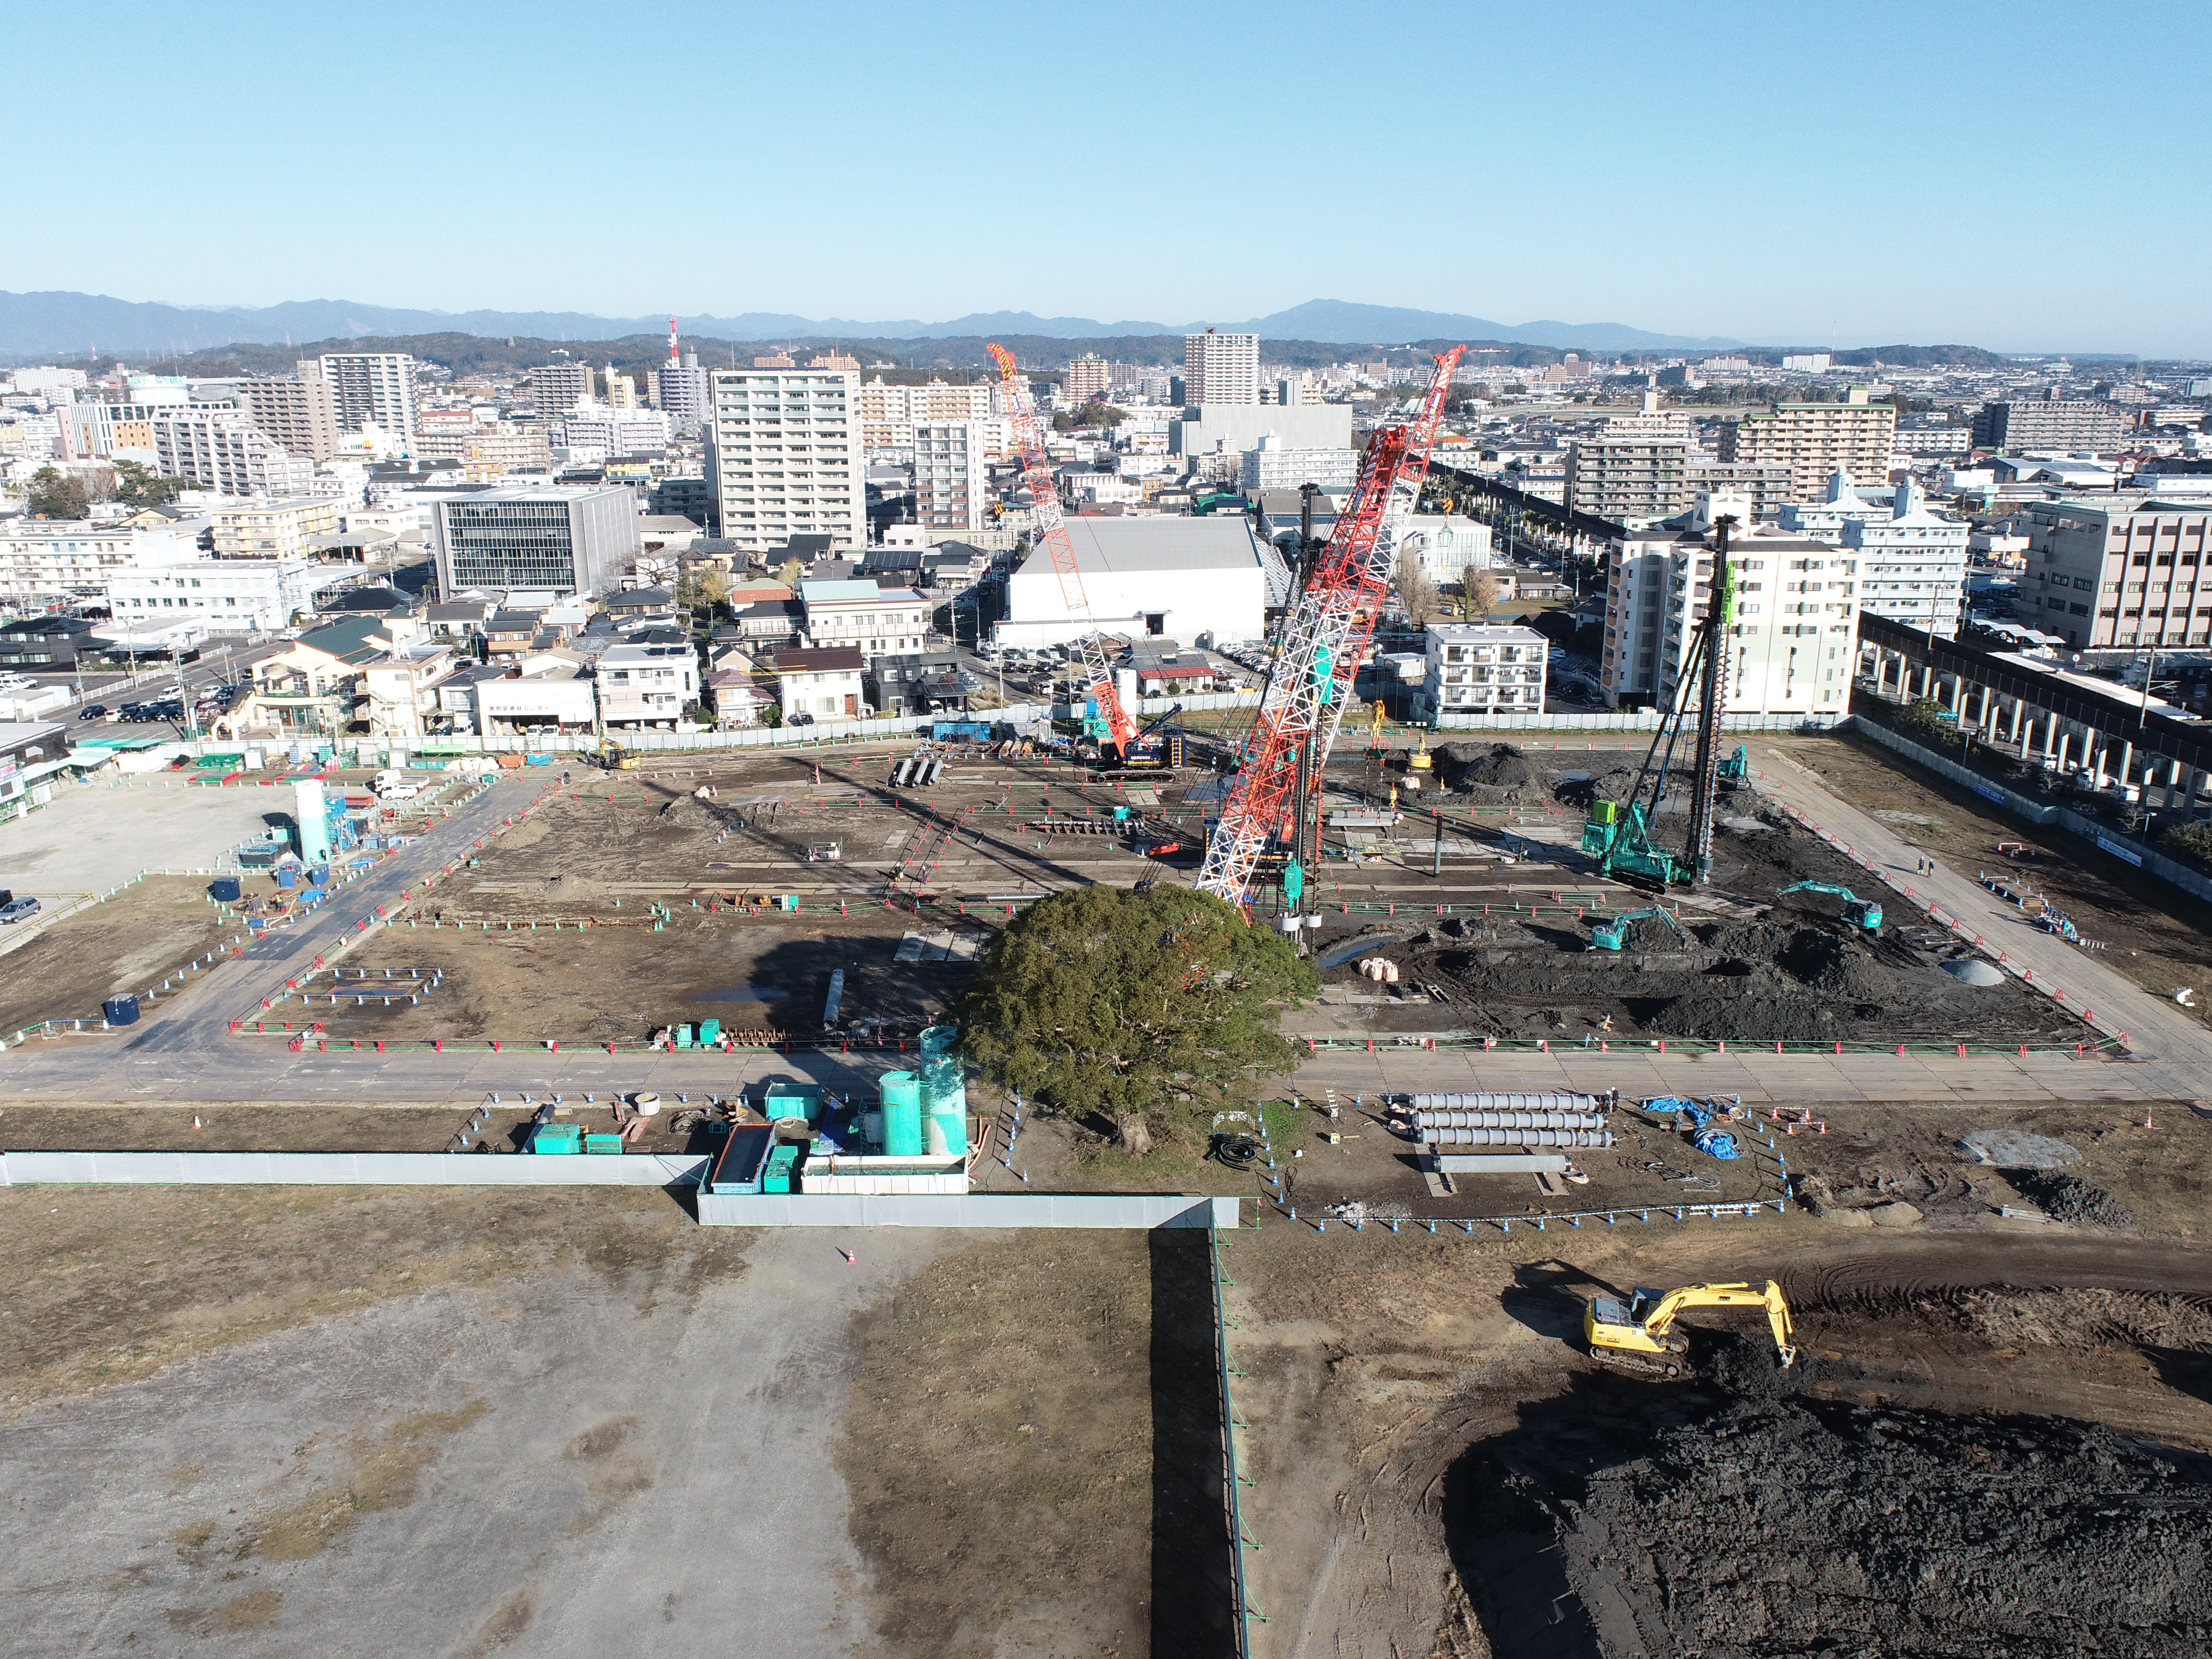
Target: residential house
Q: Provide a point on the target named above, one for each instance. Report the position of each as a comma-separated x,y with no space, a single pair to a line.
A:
403,689
874,620
508,634
647,684
641,601
916,682
314,685
819,684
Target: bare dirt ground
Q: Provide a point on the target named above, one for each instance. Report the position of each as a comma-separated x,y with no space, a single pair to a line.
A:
129,943
1424,1422
1033,1455
2155,934
309,1419
622,981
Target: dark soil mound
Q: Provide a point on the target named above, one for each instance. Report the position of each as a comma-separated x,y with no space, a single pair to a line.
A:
2070,1198
1767,1524
1611,785
1465,766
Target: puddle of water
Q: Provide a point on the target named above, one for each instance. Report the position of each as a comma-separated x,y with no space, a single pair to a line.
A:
1359,947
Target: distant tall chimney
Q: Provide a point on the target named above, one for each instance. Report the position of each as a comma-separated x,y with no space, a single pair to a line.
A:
673,360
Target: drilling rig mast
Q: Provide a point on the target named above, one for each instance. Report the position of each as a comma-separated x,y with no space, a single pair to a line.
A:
1319,658
1048,530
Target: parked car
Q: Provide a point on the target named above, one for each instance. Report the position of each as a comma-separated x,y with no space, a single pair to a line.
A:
97,711
18,909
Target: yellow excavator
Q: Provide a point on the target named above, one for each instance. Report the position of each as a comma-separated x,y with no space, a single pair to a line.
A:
1638,1336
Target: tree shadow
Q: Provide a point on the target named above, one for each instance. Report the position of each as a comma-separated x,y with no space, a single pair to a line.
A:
886,996
1194,1591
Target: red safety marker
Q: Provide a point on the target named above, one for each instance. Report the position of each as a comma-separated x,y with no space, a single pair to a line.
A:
849,1257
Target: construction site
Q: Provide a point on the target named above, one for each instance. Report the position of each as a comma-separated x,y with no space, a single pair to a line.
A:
1741,1196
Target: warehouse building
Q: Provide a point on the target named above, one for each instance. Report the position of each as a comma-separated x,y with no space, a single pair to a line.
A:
1202,579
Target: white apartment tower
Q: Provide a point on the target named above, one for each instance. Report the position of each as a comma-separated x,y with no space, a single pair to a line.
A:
949,491
374,388
1221,369
784,456
1791,643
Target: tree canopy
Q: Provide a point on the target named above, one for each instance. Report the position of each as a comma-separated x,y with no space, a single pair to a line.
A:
1139,1007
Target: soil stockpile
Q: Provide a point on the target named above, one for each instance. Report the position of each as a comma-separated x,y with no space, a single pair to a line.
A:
1779,1525
1466,767
2070,1198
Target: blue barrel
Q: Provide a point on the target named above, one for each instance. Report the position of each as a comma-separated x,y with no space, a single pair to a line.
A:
121,1011
901,1093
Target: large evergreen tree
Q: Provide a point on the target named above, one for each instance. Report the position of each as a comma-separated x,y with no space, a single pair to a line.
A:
1137,1007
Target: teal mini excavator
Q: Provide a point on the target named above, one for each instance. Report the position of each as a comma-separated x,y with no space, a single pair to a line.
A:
1860,912
1618,833
1613,935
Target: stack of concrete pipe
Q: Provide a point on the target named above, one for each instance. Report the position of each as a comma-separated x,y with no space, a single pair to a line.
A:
1451,1126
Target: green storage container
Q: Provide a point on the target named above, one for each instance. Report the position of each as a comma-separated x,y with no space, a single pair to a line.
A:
683,1036
603,1144
783,1165
710,1031
558,1138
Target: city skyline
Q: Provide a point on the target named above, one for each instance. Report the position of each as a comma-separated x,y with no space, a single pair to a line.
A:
1671,175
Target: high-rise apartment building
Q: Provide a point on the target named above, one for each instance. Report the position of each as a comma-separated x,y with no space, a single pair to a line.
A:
374,388
2052,422
679,389
557,387
1794,639
949,476
785,455
1911,563
1088,377
1634,478
299,414
1816,440
559,540
888,414
1221,369
222,451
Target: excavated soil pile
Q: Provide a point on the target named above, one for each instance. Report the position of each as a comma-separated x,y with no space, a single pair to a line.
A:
1612,784
1776,1525
2070,1198
1469,767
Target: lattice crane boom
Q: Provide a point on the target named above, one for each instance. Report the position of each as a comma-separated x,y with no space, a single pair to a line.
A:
1323,643
1050,531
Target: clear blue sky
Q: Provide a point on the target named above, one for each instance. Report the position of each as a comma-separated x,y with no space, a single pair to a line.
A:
2021,175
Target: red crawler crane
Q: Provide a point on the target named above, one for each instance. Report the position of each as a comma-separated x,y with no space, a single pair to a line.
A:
1323,644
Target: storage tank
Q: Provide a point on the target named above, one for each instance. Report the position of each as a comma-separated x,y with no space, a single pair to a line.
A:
314,821
944,1093
901,1094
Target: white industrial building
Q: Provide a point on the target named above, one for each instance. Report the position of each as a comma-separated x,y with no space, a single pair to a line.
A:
1793,636
1445,545
1197,580
1484,668
230,595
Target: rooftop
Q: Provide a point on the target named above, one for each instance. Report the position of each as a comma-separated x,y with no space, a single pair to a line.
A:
1108,545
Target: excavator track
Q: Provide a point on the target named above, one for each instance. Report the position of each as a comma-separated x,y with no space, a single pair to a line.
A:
1660,1367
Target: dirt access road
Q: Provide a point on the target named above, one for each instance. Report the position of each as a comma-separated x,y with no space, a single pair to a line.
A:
2173,1043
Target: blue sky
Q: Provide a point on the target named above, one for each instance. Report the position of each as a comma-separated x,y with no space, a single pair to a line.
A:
2021,176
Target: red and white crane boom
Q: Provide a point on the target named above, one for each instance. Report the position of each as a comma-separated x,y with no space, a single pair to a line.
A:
1323,643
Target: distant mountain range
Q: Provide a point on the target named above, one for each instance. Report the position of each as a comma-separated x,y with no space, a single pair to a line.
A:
57,324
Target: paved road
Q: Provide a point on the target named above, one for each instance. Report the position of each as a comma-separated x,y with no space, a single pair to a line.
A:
185,1052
